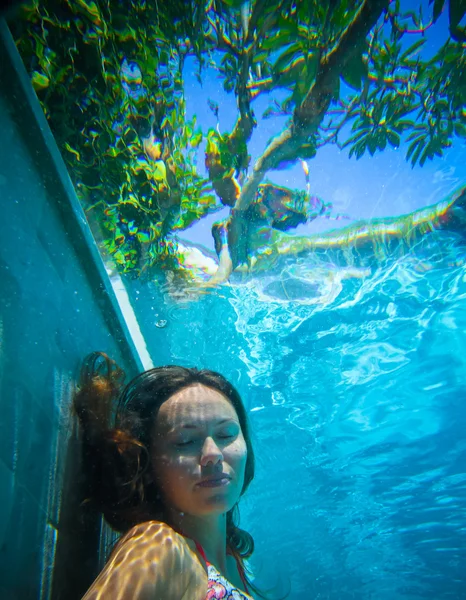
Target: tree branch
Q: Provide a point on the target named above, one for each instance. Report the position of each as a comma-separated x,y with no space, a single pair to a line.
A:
310,113
245,123
308,116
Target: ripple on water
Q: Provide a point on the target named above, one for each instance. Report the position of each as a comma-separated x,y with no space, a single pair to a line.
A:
357,403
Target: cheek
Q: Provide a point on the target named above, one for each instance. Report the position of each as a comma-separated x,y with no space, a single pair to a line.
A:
238,455
170,471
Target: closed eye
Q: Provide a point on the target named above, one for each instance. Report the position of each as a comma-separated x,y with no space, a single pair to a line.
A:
224,436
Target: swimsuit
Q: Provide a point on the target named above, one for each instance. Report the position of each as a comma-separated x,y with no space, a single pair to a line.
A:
220,588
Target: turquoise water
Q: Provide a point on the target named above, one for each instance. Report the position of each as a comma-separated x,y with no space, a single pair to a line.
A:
353,379
357,407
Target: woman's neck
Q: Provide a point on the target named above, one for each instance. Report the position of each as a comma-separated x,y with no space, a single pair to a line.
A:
209,531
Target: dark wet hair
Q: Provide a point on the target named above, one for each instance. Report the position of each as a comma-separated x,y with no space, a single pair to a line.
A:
116,426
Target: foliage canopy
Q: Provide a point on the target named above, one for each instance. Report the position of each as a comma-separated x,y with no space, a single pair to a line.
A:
109,76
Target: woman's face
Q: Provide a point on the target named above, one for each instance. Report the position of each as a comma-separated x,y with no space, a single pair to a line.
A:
199,452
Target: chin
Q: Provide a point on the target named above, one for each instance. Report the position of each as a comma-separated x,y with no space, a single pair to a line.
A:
218,505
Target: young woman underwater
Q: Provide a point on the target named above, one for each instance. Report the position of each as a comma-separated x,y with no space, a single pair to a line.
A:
167,473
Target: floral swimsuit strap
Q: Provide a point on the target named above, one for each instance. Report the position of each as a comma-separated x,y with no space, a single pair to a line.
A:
219,588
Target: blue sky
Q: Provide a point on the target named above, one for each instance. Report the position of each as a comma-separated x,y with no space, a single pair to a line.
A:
378,186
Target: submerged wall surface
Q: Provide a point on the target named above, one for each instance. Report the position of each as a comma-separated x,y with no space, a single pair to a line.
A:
56,306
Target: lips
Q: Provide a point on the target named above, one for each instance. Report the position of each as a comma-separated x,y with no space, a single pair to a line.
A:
217,480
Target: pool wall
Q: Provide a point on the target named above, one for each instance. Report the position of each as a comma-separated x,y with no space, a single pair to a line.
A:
56,306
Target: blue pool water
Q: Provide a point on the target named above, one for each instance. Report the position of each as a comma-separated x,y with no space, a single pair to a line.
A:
357,404
354,378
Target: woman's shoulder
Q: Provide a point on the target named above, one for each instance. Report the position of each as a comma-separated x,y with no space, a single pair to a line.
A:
155,534
151,560
161,538
158,543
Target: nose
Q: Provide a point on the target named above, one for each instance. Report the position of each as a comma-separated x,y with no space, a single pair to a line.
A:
211,453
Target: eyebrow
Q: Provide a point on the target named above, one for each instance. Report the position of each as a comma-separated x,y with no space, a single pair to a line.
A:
190,426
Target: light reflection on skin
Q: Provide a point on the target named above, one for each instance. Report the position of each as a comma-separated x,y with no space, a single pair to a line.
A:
151,562
196,437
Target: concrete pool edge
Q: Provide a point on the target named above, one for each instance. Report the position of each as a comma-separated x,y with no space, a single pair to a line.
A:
30,119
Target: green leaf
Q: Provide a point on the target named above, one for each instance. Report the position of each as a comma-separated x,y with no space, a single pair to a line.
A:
302,74
372,144
261,56
393,139
354,138
381,138
377,112
229,63
269,112
39,81
442,105
438,7
402,125
289,79
339,15
355,72
90,9
428,153
285,60
419,131
196,140
307,151
412,49
460,129
457,12
228,85
416,154
415,150
336,89
413,146
274,42
356,124
233,3
360,148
